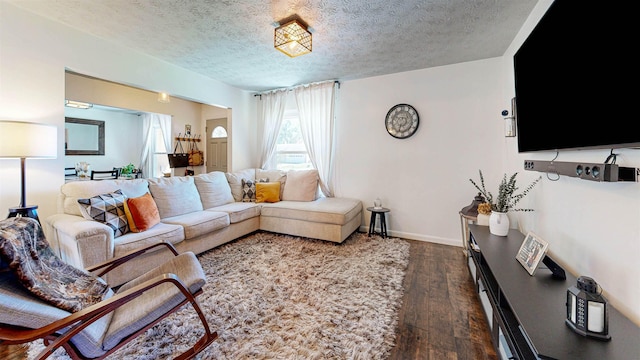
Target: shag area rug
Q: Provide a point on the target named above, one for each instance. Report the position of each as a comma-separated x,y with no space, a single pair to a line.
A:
273,296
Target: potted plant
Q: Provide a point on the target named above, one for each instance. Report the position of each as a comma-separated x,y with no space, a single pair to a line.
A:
127,171
507,199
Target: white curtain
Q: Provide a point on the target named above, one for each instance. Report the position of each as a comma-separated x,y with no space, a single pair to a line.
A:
273,104
316,103
149,122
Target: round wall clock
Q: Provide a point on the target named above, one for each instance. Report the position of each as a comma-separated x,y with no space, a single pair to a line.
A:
402,121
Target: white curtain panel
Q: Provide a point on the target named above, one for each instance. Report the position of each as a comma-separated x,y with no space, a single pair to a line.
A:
316,103
149,122
165,126
273,104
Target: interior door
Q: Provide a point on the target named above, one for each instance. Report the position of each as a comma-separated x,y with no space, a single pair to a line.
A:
216,145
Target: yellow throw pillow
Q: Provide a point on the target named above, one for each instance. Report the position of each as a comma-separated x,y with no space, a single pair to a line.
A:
268,192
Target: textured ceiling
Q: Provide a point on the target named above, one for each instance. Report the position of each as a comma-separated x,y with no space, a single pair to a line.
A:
232,40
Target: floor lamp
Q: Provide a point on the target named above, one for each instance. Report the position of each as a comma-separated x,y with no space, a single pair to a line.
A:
27,140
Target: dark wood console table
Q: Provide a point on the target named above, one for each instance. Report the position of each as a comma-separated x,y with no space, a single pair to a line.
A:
526,314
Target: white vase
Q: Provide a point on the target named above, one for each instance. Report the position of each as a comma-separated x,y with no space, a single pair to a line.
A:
483,219
499,223
377,203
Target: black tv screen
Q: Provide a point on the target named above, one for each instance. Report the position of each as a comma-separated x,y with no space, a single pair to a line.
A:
574,78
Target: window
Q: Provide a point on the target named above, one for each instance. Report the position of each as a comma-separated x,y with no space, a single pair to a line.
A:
160,162
291,153
218,132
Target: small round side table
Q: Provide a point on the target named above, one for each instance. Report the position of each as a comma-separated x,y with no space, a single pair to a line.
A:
380,212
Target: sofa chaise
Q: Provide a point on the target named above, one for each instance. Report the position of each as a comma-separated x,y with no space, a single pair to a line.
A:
100,220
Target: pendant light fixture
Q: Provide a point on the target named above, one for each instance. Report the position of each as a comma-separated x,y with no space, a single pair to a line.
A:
164,98
77,104
292,37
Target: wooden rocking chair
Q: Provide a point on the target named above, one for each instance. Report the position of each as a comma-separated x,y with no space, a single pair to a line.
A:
97,330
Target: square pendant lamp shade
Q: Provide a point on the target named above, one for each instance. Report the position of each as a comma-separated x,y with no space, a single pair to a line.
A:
77,104
293,38
164,98
24,140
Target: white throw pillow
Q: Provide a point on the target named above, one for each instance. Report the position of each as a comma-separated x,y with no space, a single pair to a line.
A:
273,175
301,185
214,189
235,181
176,195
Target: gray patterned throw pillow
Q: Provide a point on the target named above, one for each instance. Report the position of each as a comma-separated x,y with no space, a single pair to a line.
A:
249,189
107,209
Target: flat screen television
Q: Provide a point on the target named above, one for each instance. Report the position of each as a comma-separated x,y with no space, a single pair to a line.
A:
574,76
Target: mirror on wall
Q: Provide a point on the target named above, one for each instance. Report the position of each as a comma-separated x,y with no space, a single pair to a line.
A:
83,137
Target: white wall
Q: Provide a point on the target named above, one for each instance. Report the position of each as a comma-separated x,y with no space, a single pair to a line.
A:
423,179
122,144
34,55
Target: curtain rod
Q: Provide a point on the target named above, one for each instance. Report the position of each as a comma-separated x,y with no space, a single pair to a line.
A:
294,87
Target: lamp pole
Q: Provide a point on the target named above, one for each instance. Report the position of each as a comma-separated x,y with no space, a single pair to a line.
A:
23,209
23,197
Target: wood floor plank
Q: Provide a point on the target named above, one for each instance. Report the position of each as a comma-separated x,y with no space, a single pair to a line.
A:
411,343
446,310
441,327
13,352
437,354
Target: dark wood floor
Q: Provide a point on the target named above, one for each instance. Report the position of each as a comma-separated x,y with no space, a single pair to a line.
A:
13,352
441,317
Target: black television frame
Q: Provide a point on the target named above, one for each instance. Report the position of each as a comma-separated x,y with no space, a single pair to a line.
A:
571,76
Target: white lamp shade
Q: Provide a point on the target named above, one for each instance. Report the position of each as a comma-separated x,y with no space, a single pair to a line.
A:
28,140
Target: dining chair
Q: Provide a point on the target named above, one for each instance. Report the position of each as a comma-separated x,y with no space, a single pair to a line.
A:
105,174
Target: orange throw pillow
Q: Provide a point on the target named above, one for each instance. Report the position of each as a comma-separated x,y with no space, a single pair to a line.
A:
142,213
268,192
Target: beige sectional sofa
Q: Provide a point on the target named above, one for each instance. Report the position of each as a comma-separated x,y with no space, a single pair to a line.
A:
196,213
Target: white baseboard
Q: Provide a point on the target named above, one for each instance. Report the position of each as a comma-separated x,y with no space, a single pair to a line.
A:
419,237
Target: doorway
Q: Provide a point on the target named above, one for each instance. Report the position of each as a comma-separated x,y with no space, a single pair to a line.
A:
216,145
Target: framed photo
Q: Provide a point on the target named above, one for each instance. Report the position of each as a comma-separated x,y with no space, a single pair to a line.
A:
532,250
187,130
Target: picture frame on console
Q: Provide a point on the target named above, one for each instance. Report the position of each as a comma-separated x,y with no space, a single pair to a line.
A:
532,251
